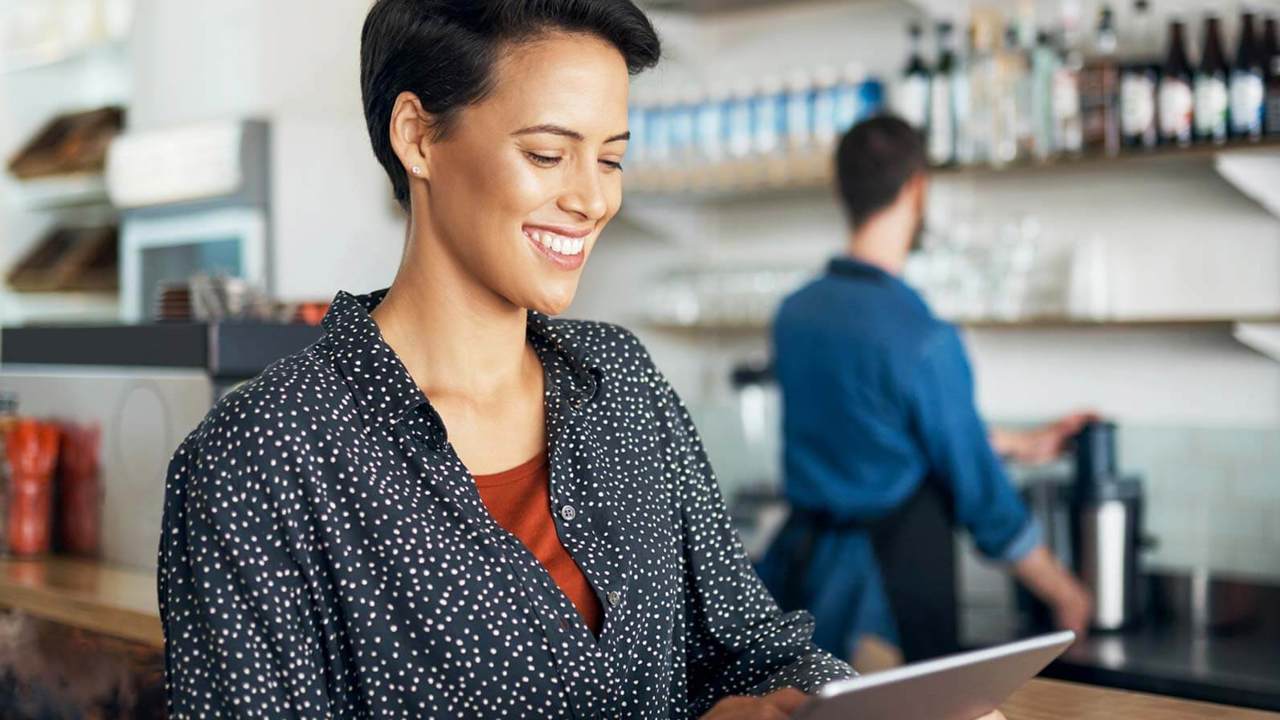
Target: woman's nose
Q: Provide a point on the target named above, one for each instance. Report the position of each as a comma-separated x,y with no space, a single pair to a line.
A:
584,196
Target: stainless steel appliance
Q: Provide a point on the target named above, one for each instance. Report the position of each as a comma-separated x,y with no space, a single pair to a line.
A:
1093,523
1106,512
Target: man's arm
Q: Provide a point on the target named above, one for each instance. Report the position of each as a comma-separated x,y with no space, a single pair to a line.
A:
958,448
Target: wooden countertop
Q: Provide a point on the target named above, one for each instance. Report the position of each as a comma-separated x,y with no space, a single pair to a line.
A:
112,600
1053,699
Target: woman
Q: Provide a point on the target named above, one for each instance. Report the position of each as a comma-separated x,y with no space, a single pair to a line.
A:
453,505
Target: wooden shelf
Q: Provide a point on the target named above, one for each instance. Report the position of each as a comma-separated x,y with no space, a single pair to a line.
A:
770,178
1031,323
706,7
1051,323
116,601
62,191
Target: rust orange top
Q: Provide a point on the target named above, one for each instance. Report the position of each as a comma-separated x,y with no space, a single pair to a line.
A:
519,499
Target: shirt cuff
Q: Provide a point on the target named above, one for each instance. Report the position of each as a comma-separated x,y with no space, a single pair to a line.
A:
1027,539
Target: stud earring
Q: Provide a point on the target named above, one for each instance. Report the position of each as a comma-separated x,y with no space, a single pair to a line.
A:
416,170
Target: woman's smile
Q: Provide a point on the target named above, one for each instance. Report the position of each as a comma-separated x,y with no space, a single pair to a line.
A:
563,247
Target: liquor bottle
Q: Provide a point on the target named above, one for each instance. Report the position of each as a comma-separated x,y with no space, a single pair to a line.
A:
942,119
1177,102
1008,125
961,102
1139,77
1248,92
912,101
1271,51
1044,67
1100,90
1068,125
1212,105
983,87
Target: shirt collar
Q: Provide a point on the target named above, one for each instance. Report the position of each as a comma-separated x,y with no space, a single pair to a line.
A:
847,266
383,389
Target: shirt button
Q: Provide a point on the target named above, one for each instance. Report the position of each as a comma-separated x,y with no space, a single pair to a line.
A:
568,513
614,597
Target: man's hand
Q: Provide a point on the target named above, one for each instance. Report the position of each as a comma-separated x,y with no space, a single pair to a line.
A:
1048,580
1043,444
777,705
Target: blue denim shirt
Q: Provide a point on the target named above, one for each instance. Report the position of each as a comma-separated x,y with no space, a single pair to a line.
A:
877,396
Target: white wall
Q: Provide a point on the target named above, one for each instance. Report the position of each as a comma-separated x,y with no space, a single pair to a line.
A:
295,63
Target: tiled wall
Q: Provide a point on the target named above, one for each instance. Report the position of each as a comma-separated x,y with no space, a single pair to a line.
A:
1213,496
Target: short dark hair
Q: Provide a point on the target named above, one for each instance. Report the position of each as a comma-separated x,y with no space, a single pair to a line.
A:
873,161
444,52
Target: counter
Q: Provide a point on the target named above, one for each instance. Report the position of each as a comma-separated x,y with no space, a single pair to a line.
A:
1240,669
115,601
1043,699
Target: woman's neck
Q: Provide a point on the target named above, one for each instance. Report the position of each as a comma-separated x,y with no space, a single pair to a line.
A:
455,337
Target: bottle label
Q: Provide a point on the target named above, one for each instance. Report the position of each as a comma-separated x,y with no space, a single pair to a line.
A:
1176,105
768,115
1247,94
739,127
913,99
1137,104
847,105
1211,105
799,116
824,114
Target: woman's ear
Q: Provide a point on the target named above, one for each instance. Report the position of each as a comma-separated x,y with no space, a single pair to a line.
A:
411,135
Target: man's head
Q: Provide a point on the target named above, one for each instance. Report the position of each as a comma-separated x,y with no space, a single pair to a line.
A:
881,172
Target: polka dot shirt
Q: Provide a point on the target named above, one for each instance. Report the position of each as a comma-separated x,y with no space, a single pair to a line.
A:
325,554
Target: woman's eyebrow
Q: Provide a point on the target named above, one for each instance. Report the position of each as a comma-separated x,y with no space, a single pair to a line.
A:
565,132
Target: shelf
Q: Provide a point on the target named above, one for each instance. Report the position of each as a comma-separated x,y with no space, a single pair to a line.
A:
707,7
62,191
116,601
1034,323
23,308
229,350
37,58
757,178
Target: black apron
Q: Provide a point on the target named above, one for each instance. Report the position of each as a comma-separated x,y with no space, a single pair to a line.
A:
915,549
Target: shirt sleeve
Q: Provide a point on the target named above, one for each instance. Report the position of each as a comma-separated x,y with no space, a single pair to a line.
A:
233,602
738,642
959,453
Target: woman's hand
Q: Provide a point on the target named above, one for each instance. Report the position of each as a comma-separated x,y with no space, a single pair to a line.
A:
777,705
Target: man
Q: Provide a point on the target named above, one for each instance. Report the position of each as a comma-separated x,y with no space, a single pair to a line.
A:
883,448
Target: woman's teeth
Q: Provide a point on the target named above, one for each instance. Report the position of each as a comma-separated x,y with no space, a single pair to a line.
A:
557,243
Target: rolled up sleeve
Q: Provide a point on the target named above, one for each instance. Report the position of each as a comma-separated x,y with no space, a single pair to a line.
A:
960,455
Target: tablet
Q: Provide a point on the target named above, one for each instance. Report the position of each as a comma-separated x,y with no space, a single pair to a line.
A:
956,687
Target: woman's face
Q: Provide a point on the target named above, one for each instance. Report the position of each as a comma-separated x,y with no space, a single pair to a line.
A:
522,184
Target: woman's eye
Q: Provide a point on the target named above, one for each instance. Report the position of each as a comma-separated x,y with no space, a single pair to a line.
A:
542,160
611,164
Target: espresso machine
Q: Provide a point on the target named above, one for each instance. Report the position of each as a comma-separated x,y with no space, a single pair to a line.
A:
1093,523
